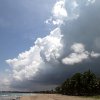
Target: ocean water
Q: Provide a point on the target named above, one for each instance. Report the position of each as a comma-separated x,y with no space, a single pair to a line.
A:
13,96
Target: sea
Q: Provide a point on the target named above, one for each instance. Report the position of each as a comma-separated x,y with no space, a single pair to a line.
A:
13,96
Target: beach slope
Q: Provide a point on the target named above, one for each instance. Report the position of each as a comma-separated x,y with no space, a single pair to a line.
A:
53,97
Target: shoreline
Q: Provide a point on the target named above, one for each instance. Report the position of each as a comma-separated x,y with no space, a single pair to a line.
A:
9,98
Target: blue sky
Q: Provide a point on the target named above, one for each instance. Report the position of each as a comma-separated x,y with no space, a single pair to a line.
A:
44,42
21,22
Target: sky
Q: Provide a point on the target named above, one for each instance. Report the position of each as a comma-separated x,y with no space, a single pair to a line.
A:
43,43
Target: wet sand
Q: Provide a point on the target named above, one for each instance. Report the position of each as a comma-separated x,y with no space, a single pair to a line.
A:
53,97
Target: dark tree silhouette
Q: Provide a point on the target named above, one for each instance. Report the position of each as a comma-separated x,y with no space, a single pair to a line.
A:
80,84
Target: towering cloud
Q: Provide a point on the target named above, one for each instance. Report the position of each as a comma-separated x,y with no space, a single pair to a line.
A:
28,63
67,45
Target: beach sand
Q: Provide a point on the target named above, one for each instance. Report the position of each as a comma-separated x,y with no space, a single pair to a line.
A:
53,97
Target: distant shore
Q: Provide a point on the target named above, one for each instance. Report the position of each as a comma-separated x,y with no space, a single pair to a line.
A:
54,97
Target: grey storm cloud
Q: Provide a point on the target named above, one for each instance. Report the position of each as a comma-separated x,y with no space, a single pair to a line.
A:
53,58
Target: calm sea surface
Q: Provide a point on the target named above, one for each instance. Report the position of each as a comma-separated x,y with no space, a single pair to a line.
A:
11,96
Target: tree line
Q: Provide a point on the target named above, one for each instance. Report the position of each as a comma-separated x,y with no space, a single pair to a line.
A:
80,84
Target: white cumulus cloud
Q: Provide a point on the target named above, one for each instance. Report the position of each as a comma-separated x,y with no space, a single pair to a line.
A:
79,54
90,2
64,10
59,13
28,63
59,9
95,55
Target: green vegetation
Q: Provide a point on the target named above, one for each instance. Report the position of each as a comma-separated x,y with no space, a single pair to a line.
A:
93,97
85,84
96,97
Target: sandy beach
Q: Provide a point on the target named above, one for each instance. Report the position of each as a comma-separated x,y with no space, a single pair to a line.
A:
53,97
